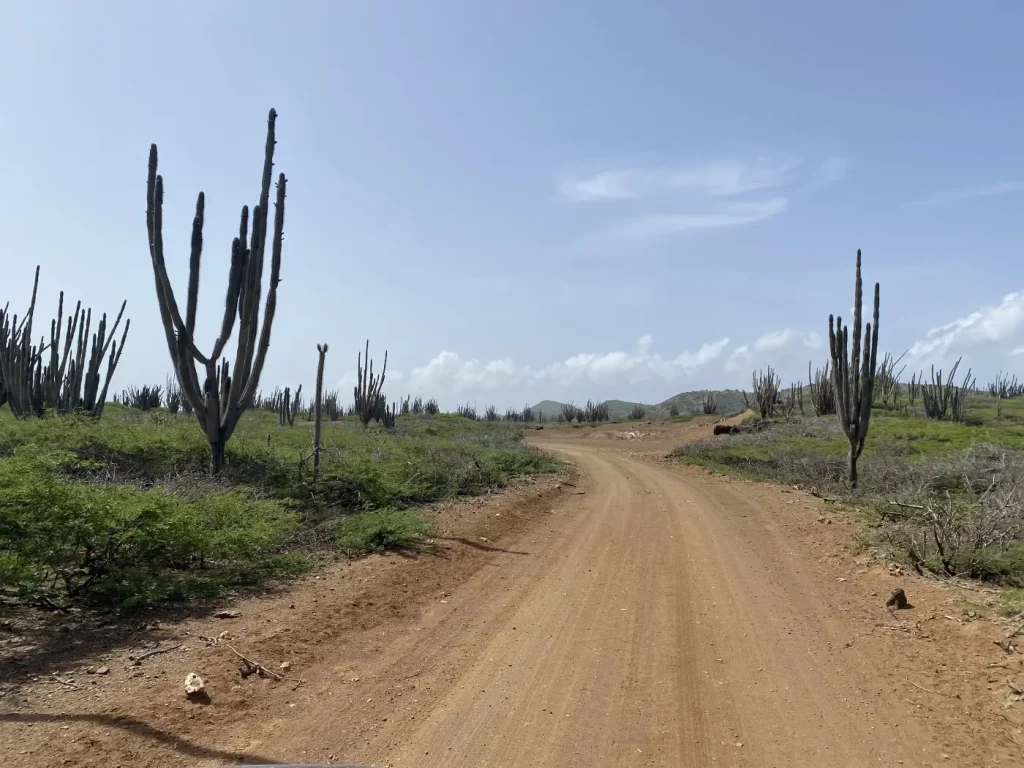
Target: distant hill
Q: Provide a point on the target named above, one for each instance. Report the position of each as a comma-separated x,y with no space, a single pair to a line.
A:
619,409
548,407
730,401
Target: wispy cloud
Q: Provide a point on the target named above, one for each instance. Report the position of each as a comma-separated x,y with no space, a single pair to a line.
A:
709,195
656,225
831,171
718,179
950,196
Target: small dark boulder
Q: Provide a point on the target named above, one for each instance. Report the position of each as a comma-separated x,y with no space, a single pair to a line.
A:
898,600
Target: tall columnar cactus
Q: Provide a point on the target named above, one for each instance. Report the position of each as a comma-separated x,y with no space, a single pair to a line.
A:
853,373
70,380
369,401
317,411
221,398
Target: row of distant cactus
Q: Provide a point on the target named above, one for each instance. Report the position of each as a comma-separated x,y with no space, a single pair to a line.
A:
57,377
591,413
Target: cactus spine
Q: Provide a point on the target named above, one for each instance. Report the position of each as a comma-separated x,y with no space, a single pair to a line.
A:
221,399
853,373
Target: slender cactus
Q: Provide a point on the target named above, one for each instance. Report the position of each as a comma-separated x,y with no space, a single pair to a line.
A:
322,349
887,381
914,388
823,394
389,416
853,373
221,399
287,408
70,380
944,399
766,392
368,399
709,405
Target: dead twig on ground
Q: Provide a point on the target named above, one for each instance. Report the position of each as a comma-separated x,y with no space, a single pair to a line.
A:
136,660
902,505
927,690
260,668
68,683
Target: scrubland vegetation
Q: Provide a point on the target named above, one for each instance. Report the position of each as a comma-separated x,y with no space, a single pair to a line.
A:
123,511
935,464
205,484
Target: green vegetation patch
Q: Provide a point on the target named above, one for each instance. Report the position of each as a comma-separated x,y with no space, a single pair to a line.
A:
940,496
122,512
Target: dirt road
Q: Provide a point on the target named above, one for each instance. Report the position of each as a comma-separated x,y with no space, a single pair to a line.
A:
646,615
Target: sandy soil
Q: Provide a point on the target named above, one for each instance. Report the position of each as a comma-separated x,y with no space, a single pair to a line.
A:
640,613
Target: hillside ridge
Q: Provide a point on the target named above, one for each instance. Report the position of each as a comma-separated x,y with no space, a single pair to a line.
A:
729,401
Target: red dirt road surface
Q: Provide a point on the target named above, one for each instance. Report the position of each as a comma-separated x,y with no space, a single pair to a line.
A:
638,614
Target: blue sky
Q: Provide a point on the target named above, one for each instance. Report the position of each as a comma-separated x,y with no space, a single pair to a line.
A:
529,200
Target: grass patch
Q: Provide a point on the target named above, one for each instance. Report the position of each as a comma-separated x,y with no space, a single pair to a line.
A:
121,512
939,496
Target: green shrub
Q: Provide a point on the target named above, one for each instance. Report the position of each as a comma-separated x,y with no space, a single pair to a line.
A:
114,544
379,530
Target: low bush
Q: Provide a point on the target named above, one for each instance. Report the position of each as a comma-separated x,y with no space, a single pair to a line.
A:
71,541
379,530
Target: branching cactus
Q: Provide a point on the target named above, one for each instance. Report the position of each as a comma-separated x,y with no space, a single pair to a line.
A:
369,402
287,408
853,373
221,397
766,388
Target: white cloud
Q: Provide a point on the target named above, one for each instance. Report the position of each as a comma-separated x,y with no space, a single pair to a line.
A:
657,225
776,348
447,371
949,196
987,326
787,337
